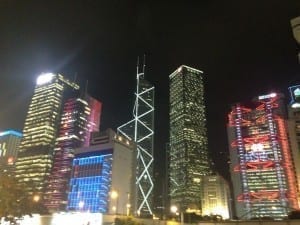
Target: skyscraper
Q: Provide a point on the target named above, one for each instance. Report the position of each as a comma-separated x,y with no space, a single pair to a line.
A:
262,169
189,158
35,153
9,142
80,117
141,130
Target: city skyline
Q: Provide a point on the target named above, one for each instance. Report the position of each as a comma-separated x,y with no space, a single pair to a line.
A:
244,49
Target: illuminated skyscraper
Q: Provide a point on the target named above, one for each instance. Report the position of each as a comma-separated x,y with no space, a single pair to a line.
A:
35,153
103,175
80,117
294,129
9,142
141,130
262,169
189,158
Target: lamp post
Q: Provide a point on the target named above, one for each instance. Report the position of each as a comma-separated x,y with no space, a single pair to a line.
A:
115,195
36,198
174,209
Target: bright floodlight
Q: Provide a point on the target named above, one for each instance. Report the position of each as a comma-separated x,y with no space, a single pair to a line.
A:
44,78
114,194
174,209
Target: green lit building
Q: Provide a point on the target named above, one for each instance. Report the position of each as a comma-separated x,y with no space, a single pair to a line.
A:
35,152
188,155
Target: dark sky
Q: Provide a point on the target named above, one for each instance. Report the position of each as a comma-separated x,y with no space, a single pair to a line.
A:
245,49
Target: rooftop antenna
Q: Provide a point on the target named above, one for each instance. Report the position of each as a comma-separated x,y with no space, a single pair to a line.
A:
137,65
75,78
144,64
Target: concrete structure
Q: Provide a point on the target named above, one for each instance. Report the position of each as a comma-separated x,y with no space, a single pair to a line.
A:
103,175
189,159
9,142
262,168
295,23
141,130
35,154
215,196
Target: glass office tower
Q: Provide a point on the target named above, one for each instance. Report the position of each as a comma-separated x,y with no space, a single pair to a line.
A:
80,117
189,158
262,168
35,153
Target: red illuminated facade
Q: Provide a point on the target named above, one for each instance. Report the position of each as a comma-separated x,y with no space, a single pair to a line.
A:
80,117
262,169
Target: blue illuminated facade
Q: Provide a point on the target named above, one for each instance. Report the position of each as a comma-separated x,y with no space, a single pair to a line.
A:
9,142
91,181
11,132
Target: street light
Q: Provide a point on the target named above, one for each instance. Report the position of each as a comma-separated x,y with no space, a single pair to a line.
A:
128,209
115,195
36,198
81,204
174,209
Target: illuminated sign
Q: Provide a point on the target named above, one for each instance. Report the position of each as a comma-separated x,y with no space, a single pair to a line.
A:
257,156
44,78
297,92
272,95
295,96
257,147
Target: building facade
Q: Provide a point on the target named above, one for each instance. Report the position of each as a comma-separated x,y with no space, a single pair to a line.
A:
141,130
103,175
9,142
80,117
294,130
40,131
295,23
262,168
189,158
215,196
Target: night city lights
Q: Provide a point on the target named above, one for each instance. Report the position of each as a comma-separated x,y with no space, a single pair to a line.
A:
150,113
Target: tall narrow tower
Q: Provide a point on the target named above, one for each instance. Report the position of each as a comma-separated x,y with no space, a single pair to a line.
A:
141,130
40,130
189,158
80,117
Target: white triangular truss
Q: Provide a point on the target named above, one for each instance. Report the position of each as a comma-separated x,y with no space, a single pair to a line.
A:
140,130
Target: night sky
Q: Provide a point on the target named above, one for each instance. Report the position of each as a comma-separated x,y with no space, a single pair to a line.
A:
245,48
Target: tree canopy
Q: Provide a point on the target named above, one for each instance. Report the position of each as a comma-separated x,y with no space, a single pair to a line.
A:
14,201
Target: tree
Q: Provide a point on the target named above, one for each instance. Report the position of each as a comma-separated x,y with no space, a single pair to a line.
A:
14,201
